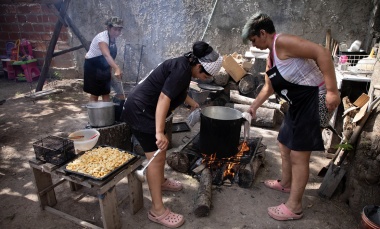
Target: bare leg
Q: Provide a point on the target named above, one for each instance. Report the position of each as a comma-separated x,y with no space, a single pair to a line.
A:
120,96
286,166
106,98
300,176
93,98
155,174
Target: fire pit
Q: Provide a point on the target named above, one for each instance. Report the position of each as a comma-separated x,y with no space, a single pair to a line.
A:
210,170
235,169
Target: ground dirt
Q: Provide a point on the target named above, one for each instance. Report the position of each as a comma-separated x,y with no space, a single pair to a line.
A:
24,121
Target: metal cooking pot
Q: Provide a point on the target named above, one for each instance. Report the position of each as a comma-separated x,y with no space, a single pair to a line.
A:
101,113
220,131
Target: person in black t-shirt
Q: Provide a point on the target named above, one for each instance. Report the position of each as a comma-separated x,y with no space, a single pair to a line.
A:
147,107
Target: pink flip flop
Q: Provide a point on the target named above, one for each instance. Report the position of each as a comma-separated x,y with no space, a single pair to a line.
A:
171,185
168,219
276,185
281,212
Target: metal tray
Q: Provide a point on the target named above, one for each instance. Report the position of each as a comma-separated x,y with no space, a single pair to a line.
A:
180,127
130,161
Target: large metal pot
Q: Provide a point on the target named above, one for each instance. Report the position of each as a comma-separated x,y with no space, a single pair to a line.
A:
220,131
101,113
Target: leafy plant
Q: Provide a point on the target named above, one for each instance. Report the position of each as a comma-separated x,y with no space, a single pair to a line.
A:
344,146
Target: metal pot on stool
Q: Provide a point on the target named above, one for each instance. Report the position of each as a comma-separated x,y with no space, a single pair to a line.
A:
101,113
220,131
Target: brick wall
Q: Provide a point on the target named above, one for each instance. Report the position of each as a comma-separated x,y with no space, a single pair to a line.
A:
34,22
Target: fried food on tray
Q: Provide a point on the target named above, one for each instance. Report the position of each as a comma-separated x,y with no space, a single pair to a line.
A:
99,162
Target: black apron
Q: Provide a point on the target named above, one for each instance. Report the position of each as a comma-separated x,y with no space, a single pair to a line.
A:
97,73
300,130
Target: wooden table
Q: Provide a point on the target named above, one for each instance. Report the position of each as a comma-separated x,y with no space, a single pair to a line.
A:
106,191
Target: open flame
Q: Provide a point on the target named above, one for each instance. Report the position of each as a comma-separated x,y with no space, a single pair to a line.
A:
230,166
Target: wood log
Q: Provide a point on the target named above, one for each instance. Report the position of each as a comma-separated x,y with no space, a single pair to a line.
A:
237,98
265,117
247,84
248,173
259,68
222,77
203,200
178,161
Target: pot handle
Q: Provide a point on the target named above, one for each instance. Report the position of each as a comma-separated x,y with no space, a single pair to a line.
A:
247,117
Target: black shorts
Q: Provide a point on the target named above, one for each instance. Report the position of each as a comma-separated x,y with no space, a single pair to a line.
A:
147,141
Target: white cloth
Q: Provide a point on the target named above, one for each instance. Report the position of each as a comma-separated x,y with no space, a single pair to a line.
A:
194,117
247,124
94,50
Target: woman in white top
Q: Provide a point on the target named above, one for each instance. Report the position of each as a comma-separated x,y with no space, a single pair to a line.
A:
302,73
100,58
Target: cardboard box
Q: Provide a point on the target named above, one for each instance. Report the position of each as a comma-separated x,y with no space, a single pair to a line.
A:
233,68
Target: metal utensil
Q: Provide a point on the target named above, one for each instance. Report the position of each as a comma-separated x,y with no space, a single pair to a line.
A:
210,87
122,88
141,173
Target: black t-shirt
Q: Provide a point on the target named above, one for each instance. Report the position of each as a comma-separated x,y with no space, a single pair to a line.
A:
172,77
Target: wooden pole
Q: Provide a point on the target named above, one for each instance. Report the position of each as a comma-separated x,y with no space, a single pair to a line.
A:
77,33
53,42
67,50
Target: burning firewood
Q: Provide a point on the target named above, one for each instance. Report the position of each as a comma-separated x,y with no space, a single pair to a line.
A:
203,199
248,173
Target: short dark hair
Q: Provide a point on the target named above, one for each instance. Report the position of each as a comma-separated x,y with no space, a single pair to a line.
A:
256,23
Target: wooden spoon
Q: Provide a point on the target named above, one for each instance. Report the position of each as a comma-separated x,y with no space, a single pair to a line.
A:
76,137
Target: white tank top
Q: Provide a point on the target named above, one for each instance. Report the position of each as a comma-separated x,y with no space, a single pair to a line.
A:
299,70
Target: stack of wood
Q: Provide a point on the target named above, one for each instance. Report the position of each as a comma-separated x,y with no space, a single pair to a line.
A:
268,115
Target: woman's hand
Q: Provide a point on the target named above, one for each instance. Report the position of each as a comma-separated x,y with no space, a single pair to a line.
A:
118,73
162,141
332,100
191,102
252,111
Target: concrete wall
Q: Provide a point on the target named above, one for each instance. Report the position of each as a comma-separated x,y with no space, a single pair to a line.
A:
162,29
167,28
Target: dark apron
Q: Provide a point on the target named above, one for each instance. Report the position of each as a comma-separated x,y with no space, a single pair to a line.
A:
97,73
300,130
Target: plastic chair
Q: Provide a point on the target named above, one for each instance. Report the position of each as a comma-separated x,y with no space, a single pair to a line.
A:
29,69
8,47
